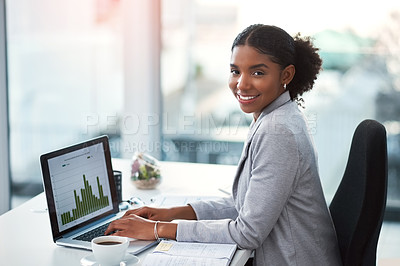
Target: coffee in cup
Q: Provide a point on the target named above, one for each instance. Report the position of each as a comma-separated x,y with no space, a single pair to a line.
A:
109,243
109,250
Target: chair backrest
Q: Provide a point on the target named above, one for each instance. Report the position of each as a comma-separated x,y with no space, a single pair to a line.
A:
359,203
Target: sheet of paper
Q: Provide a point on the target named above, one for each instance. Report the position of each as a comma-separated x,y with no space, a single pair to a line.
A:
163,247
177,200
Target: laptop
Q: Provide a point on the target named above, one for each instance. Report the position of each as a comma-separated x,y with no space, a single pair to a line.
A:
81,194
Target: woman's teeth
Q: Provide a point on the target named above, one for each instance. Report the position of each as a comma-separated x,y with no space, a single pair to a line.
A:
246,98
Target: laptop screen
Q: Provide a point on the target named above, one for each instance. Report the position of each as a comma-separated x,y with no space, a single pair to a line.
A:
79,184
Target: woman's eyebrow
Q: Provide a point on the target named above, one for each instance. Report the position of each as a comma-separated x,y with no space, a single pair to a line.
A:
252,67
259,65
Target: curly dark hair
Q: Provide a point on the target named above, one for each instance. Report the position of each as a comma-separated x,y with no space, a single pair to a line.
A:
285,50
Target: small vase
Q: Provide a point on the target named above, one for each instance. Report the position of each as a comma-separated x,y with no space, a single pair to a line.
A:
145,171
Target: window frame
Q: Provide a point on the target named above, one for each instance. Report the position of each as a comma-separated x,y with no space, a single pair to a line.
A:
5,188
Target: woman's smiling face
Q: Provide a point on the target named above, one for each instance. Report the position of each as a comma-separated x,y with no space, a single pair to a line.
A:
255,80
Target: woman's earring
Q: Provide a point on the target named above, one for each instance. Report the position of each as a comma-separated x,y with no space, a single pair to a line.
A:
284,86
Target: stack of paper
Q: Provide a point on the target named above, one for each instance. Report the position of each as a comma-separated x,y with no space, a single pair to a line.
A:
170,252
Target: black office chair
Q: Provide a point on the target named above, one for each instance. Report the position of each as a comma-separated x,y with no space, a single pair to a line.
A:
359,203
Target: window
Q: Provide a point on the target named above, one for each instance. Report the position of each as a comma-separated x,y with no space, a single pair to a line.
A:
78,69
203,123
65,77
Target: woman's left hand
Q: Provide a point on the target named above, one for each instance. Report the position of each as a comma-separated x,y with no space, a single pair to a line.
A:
132,226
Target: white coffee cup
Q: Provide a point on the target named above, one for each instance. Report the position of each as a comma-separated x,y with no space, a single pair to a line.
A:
109,250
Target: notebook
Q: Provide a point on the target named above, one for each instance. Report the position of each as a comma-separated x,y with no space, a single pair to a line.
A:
81,194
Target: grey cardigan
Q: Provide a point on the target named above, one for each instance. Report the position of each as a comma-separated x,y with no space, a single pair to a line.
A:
277,206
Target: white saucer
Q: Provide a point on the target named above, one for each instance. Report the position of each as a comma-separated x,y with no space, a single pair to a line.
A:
128,260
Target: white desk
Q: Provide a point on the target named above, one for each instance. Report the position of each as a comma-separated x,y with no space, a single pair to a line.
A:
25,234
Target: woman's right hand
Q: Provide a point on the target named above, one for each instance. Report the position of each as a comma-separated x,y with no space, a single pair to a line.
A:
155,214
164,214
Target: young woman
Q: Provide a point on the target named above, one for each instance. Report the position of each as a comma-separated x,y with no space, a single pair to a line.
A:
277,206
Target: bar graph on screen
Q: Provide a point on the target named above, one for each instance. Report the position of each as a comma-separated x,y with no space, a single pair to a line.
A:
88,204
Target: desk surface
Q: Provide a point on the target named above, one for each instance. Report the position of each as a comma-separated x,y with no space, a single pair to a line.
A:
25,234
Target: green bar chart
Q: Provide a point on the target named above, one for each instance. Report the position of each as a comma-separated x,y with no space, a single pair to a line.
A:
86,203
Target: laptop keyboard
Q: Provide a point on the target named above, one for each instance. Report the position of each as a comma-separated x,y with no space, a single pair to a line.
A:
98,231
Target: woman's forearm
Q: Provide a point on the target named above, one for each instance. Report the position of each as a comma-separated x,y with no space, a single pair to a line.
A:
183,213
167,230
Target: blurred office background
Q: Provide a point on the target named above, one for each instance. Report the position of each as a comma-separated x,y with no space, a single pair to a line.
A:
152,75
